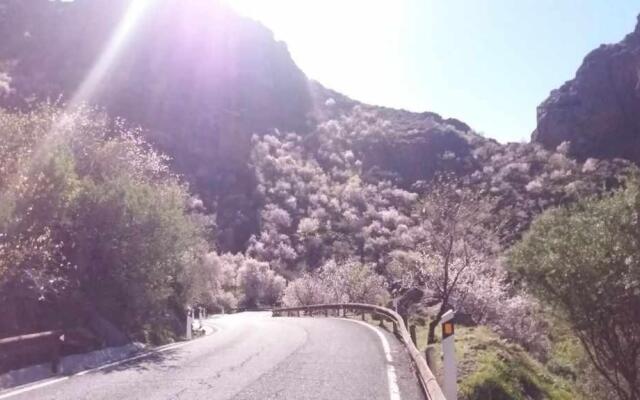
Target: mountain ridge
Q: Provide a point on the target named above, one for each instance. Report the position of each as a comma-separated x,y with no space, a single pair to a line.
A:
203,88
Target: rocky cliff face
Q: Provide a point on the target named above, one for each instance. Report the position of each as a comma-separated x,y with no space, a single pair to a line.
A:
598,111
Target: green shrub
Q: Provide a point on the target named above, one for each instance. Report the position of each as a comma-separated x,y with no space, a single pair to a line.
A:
583,262
91,222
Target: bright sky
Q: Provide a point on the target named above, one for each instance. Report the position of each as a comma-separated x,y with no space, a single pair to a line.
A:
486,62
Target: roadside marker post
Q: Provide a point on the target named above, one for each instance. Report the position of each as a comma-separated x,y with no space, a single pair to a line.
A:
449,371
189,321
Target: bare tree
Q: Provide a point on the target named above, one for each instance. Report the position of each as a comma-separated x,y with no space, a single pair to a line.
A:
460,236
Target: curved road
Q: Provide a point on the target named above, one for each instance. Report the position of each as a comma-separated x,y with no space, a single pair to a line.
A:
254,356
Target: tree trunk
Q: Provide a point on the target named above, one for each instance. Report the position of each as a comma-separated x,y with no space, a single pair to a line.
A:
431,339
433,324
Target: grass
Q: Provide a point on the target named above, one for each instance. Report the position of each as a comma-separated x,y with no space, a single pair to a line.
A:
490,368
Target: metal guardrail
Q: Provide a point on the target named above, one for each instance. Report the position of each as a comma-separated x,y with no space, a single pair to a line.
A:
427,380
22,338
50,341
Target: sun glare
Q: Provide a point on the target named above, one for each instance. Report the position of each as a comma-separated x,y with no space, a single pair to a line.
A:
109,55
335,41
92,82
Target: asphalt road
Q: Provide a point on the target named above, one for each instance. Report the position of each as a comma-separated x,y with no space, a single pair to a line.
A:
254,356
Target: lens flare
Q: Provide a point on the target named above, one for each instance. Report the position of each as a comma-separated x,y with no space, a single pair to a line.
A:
110,54
88,87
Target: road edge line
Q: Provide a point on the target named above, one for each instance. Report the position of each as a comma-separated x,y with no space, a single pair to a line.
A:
394,390
37,385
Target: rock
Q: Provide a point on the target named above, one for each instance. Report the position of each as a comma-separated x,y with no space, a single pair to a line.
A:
598,111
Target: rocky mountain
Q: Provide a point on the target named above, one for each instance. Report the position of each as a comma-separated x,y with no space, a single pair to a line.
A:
201,80
598,111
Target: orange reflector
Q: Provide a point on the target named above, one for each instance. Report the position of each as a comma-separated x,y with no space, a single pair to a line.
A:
447,328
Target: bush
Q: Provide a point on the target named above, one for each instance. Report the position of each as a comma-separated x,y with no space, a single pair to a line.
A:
345,282
258,284
92,222
353,282
304,291
583,262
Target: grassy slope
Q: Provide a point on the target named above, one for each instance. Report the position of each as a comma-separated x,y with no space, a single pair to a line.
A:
490,368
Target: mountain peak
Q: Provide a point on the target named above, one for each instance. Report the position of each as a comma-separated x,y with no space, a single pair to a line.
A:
597,112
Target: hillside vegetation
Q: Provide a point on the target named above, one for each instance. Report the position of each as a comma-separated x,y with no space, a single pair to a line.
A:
220,176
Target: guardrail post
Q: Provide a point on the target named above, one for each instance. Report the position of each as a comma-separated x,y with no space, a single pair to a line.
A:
430,356
364,315
395,327
412,332
326,312
298,314
55,352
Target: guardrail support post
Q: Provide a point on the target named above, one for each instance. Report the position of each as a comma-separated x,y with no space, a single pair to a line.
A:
55,353
430,356
395,327
364,315
326,312
412,332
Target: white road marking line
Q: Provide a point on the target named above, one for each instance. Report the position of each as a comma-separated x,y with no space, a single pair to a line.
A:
31,387
394,390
